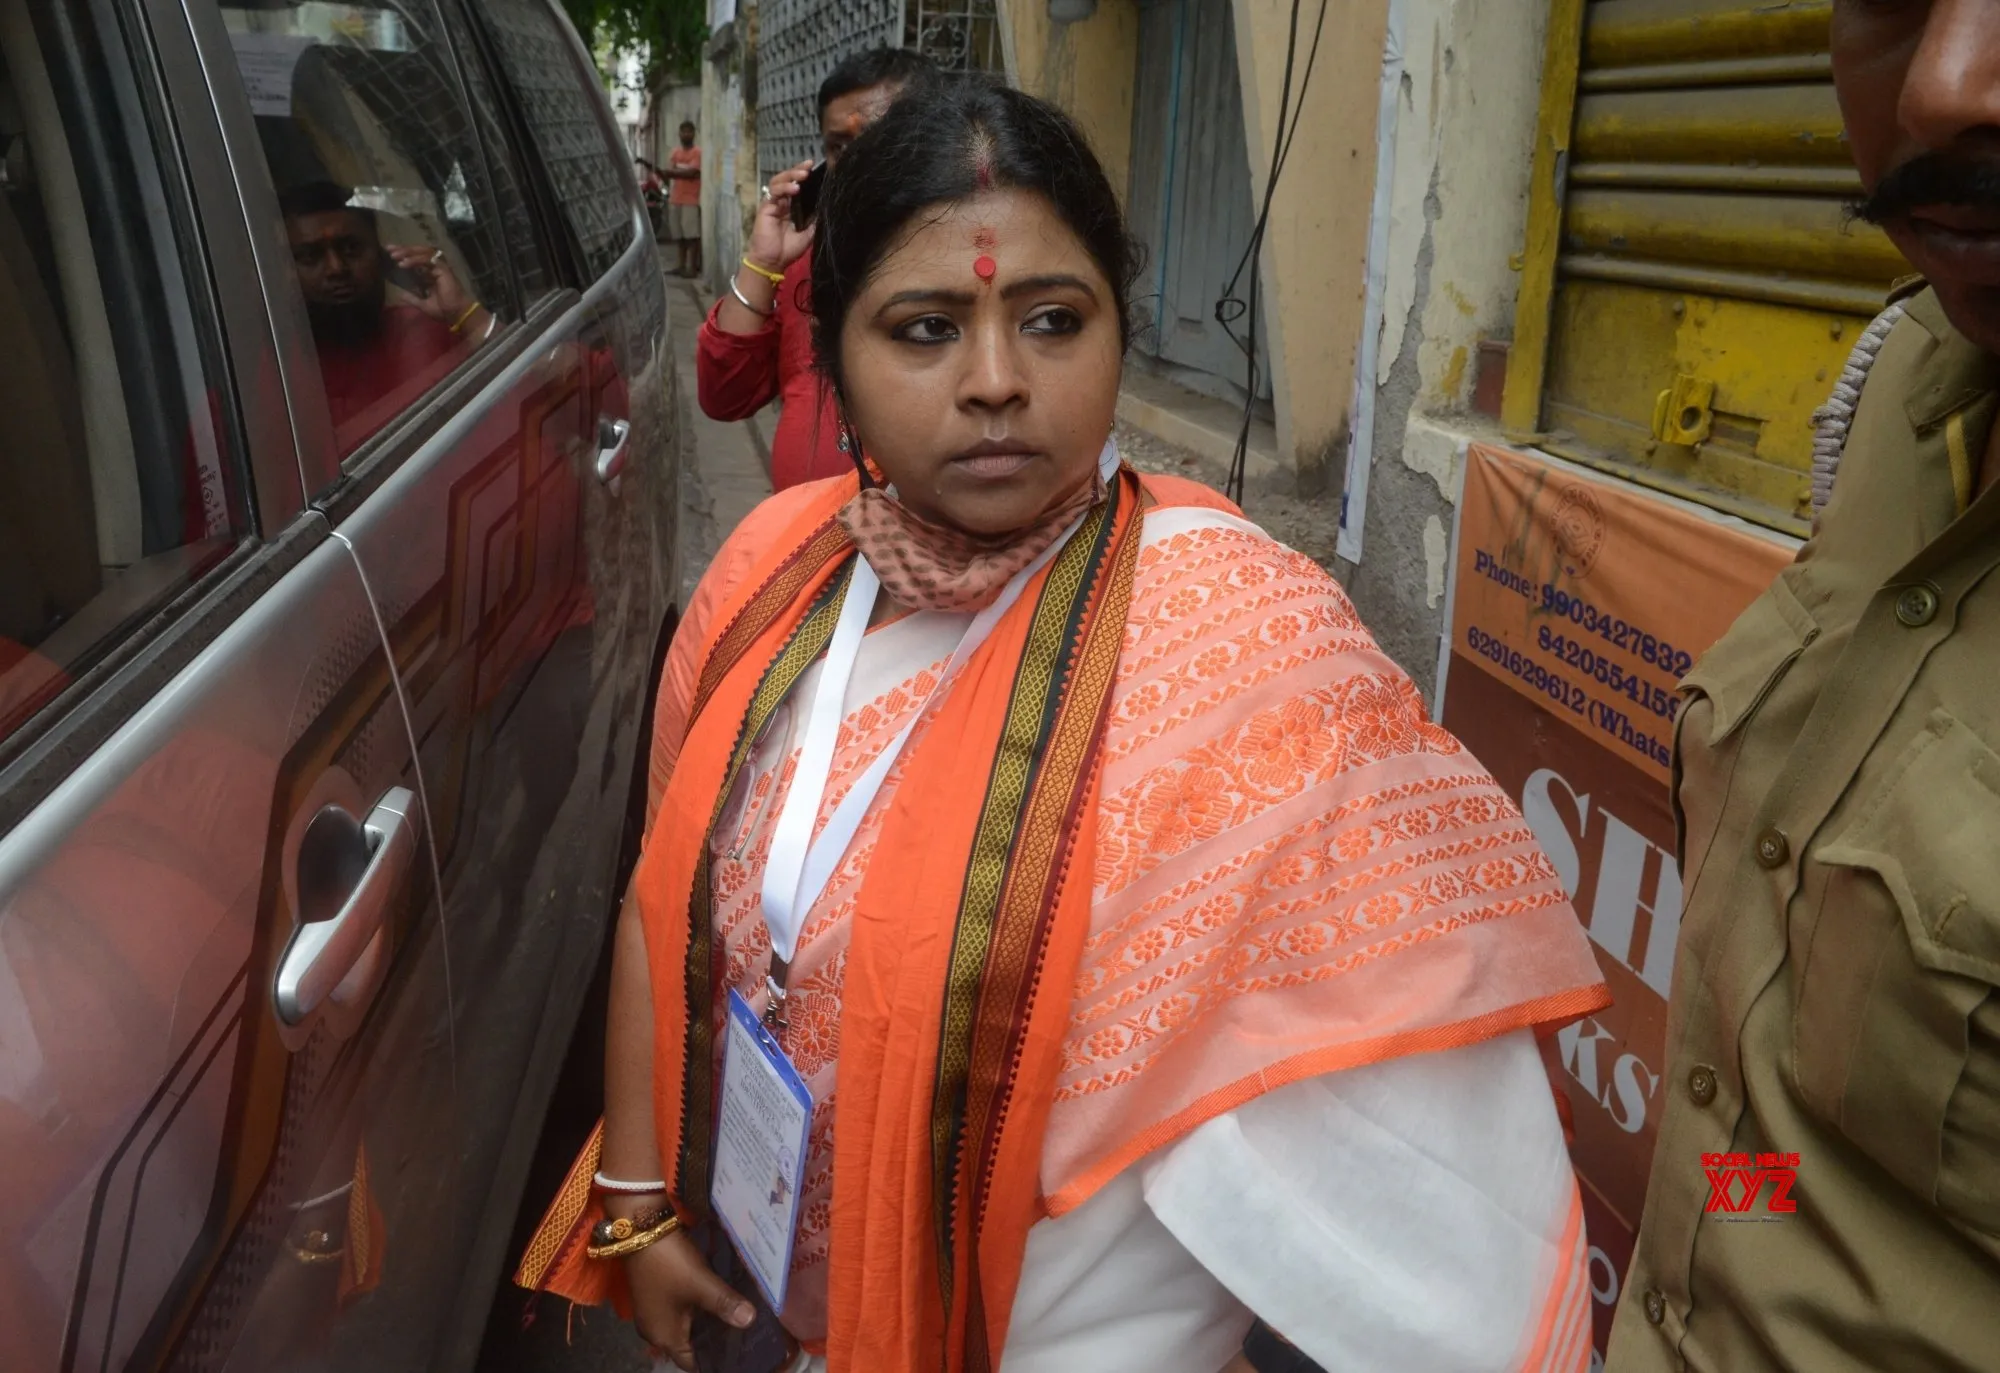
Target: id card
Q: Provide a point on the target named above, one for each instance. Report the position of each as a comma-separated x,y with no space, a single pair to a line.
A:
760,1149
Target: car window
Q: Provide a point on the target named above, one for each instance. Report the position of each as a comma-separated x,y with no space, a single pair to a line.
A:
393,220
118,484
561,104
510,183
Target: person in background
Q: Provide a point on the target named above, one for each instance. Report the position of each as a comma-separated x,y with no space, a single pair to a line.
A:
756,345
374,352
1836,995
1162,980
684,202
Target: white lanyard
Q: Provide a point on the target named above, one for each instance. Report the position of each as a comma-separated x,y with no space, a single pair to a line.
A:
797,871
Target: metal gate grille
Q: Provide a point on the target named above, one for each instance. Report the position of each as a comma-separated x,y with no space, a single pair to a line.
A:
800,41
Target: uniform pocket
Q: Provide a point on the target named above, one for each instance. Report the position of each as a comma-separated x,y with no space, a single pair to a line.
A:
1898,1027
1932,836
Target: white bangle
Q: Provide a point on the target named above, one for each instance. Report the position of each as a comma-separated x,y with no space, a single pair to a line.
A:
605,1184
744,301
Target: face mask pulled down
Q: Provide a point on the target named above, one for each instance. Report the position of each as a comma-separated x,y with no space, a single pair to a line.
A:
928,566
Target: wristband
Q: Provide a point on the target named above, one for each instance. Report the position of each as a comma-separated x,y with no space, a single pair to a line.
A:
470,311
775,278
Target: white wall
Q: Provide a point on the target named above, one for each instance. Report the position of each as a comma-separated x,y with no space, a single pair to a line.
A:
670,106
1457,211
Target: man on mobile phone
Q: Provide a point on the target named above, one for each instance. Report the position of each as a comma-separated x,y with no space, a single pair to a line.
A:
375,356
756,345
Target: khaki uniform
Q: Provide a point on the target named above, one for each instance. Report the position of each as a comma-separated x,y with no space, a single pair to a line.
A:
1834,995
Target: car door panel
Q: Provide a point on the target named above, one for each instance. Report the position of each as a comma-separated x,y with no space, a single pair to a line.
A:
160,1129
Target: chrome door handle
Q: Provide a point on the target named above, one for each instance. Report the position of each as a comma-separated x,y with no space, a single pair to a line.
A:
612,437
323,951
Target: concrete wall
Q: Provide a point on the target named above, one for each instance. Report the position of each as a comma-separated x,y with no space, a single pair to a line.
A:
1465,128
1088,67
728,136
1316,246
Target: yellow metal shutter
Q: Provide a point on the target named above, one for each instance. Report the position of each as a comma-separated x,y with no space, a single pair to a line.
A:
1708,284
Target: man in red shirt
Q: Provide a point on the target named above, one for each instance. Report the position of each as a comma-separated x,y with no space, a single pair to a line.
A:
684,202
756,344
375,357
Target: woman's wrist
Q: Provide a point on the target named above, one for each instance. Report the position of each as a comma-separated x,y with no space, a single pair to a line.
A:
761,291
749,304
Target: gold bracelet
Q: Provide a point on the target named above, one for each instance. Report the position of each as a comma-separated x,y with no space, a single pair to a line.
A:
775,278
470,311
316,1246
614,1239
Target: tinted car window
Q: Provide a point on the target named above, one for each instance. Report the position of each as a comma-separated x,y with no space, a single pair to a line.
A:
510,183
117,489
395,227
560,103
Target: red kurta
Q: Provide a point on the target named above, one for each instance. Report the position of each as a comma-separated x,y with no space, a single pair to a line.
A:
368,384
736,375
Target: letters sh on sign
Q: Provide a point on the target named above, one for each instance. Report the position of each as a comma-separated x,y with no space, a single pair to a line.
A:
1578,604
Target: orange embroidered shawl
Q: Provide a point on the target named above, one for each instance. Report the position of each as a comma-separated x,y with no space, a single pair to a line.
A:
1050,974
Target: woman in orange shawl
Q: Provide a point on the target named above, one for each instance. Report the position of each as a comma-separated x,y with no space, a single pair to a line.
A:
1165,995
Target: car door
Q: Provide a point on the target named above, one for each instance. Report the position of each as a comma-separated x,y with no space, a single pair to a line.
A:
526,569
504,510
221,982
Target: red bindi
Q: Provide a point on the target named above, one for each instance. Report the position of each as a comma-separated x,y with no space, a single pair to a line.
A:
984,267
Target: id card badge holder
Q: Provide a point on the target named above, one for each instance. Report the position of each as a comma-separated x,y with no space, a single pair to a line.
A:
760,1150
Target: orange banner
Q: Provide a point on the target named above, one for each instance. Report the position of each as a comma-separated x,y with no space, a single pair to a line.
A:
1578,604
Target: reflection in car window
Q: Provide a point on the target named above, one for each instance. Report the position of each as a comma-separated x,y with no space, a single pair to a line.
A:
510,183
114,490
561,104
389,210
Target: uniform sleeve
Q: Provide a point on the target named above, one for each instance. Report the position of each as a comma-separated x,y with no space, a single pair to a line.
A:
1418,1213
735,375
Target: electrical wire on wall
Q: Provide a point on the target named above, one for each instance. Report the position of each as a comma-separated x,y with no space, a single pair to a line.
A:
1230,307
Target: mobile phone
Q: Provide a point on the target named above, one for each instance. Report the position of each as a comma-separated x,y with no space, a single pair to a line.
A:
719,1348
805,200
398,275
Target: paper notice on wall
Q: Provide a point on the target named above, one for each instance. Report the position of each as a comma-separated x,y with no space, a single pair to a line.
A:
266,62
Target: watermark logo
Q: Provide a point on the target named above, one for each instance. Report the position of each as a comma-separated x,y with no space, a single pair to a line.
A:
1737,1182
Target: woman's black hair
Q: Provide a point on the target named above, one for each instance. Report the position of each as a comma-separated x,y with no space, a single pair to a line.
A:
943,142
859,71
